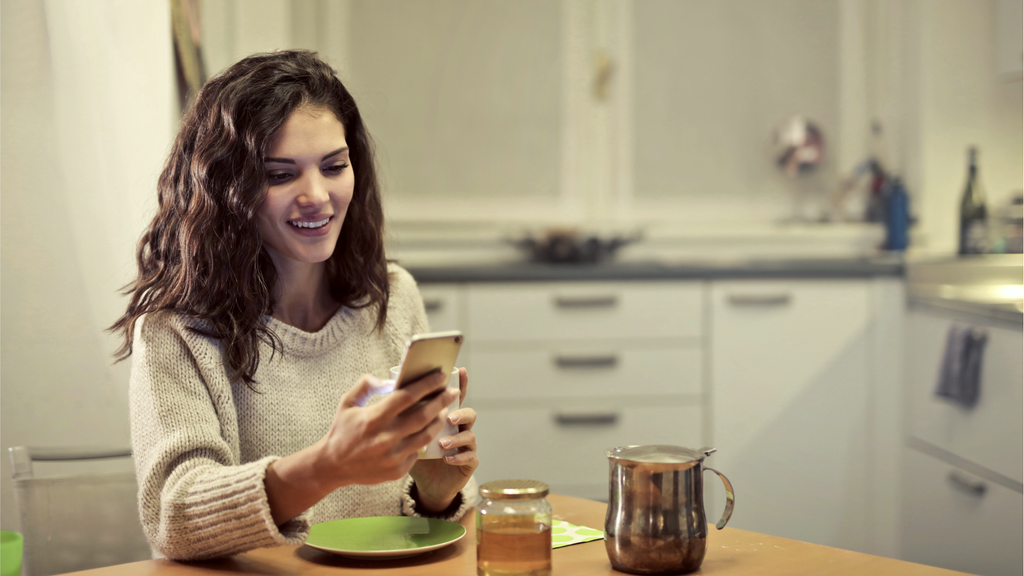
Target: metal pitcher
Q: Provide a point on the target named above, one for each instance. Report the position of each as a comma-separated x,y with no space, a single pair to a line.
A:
655,522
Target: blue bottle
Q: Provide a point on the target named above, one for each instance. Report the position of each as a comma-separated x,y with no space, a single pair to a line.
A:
897,216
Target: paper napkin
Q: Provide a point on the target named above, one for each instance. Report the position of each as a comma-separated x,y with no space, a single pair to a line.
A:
565,534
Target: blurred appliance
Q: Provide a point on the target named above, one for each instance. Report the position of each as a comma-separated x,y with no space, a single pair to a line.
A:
76,522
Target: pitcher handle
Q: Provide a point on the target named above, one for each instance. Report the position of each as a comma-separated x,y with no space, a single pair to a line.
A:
730,499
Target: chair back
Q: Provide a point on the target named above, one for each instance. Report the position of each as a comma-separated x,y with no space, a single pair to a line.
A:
76,522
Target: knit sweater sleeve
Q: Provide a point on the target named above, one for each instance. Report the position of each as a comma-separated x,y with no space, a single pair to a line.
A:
196,499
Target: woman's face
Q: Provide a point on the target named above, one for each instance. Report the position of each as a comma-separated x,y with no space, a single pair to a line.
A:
310,183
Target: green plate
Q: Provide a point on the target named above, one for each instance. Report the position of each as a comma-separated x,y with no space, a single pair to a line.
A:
383,536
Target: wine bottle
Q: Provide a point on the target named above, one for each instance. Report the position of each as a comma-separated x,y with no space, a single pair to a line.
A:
973,213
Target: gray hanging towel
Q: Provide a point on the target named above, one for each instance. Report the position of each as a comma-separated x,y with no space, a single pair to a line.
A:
960,374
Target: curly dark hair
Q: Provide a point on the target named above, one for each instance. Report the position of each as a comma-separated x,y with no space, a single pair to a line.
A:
202,255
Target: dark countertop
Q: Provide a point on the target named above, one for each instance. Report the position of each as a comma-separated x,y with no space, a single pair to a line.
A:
619,271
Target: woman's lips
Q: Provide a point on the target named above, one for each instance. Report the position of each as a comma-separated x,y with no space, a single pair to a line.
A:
306,227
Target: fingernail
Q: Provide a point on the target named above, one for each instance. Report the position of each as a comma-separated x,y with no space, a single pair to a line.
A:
450,458
446,442
453,418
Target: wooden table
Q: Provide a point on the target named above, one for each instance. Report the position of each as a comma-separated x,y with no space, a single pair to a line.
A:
730,551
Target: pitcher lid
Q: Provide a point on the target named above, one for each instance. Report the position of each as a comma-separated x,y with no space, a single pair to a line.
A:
659,454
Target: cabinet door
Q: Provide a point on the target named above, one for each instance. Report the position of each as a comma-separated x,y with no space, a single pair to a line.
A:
575,370
755,63
465,101
789,372
989,434
533,312
959,521
563,443
443,303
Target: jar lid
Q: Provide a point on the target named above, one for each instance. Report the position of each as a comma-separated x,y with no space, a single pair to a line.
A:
513,489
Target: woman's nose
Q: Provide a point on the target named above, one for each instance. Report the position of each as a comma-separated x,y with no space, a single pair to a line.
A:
314,192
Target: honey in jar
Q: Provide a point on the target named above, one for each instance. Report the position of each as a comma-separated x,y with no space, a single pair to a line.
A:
513,529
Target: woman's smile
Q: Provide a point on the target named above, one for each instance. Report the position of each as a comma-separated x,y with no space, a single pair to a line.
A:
312,228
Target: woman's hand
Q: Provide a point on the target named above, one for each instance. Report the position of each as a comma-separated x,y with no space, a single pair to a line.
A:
379,443
438,481
365,445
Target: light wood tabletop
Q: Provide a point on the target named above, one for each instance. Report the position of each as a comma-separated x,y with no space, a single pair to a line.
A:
730,551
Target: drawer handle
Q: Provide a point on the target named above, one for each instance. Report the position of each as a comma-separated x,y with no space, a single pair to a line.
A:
587,419
759,299
585,361
964,484
606,301
433,304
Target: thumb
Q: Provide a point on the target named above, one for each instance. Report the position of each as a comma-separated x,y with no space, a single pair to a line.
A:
361,392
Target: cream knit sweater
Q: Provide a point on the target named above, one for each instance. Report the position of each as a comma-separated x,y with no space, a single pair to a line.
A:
202,444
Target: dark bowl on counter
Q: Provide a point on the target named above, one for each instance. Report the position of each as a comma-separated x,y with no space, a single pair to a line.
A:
570,247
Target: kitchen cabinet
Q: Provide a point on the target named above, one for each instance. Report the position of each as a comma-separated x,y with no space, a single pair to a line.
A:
989,433
444,304
729,72
795,381
789,371
963,506
568,111
958,520
562,371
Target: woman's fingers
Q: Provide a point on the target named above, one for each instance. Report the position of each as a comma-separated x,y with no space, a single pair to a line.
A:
409,395
464,439
361,392
463,383
463,417
463,458
418,416
372,444
422,436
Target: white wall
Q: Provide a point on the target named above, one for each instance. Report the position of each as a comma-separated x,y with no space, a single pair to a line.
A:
88,116
957,98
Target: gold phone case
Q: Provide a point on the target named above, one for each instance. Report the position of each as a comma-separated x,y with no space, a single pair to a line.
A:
428,353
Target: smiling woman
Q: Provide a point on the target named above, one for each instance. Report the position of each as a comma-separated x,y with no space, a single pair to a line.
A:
263,314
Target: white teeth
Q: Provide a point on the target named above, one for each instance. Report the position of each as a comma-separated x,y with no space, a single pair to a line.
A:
298,224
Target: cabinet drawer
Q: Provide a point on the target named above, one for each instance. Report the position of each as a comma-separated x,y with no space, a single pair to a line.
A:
990,433
959,521
584,310
564,444
444,306
583,370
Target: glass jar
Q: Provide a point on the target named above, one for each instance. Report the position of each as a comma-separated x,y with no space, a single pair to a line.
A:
513,529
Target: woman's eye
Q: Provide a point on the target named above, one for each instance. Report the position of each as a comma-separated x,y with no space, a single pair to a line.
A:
278,177
335,169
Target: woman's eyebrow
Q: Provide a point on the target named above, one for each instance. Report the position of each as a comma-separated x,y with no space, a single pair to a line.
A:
290,161
335,153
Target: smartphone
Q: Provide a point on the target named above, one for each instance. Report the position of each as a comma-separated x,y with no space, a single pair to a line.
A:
429,353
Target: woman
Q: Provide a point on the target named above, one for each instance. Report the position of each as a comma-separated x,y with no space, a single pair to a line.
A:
261,317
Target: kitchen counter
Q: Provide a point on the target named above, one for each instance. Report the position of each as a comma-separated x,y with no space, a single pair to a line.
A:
989,286
666,269
729,551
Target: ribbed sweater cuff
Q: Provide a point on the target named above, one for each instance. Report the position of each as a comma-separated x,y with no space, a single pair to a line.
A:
467,494
228,513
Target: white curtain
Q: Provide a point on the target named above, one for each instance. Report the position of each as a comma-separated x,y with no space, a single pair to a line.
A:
88,114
